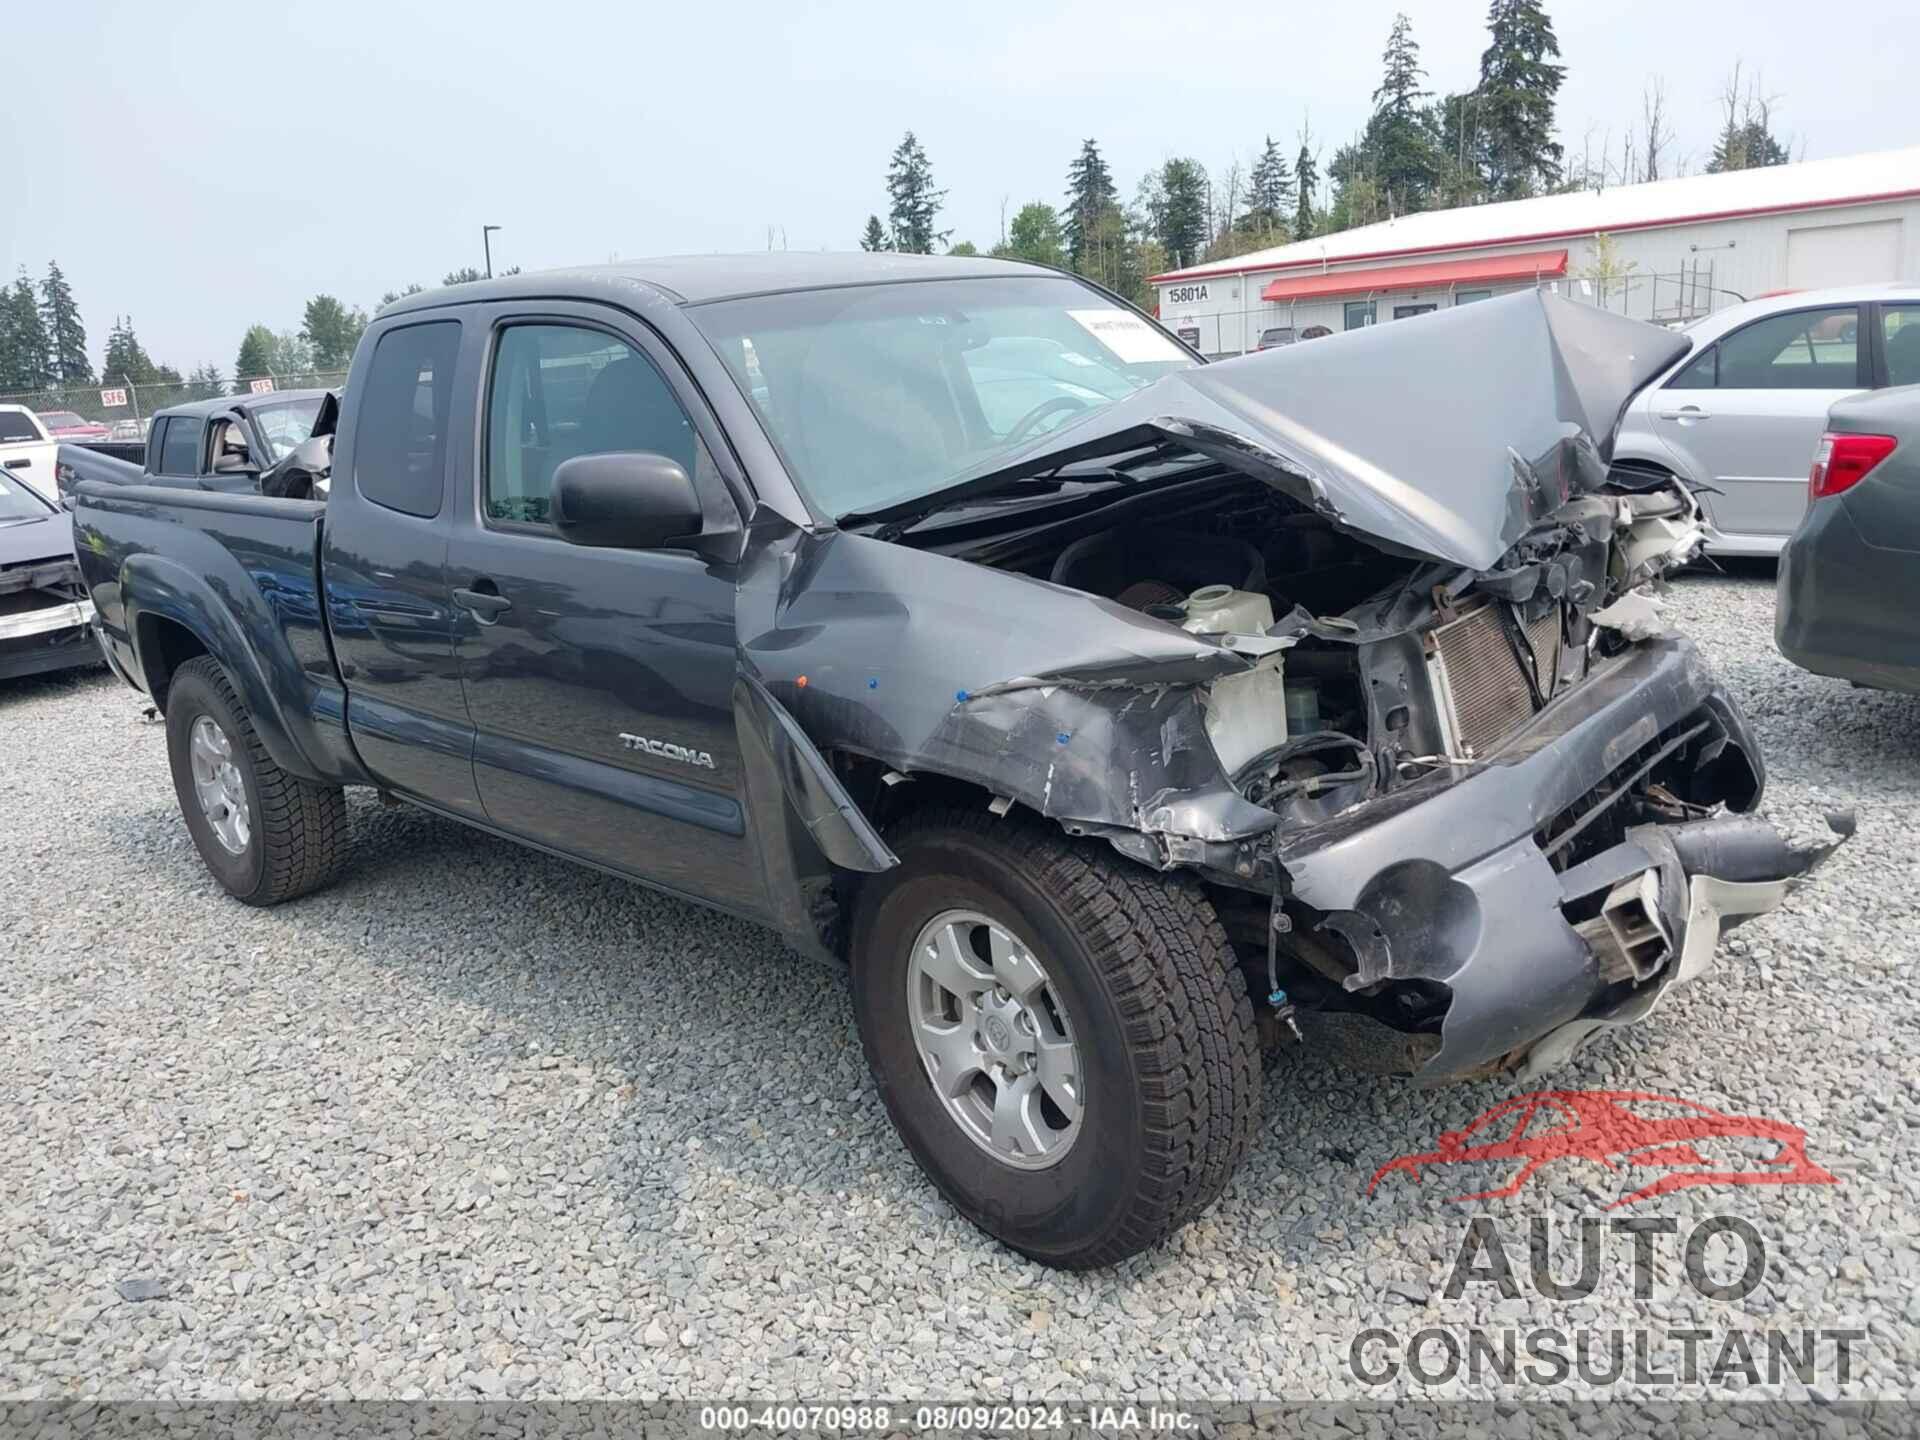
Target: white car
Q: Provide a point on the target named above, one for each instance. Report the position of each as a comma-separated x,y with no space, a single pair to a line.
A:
1740,416
27,451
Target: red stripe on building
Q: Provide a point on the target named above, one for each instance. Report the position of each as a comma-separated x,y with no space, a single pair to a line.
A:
1619,227
1480,270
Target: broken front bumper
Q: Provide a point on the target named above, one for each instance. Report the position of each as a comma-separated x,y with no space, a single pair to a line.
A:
1447,882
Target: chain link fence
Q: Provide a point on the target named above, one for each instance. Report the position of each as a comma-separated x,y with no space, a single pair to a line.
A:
125,408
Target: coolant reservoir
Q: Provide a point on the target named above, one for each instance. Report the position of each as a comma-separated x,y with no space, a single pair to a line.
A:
1223,610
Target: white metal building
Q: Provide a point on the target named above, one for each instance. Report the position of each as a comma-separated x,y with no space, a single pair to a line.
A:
1674,250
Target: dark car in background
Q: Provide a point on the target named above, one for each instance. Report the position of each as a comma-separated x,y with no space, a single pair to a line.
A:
1847,575
44,610
222,444
1276,337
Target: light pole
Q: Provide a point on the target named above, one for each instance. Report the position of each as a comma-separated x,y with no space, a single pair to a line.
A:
486,244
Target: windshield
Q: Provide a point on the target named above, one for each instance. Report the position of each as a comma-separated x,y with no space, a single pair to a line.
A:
285,426
878,394
61,420
16,425
18,503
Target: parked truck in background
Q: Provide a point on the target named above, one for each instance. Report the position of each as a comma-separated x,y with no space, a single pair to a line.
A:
1102,711
27,451
222,444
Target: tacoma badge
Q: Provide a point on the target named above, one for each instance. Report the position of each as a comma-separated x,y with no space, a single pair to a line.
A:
667,750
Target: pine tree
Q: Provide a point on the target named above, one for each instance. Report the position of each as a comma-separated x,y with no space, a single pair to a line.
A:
1091,200
1402,149
913,202
1518,84
206,383
127,362
1746,141
1176,202
256,355
1306,176
332,331
66,335
31,348
465,275
875,235
1270,195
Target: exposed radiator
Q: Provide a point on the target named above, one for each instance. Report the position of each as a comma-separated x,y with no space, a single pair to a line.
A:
1482,689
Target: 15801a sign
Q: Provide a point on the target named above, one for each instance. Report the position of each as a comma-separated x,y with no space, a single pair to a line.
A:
1186,294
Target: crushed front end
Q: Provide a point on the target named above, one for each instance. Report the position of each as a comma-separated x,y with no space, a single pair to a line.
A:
1391,679
1539,818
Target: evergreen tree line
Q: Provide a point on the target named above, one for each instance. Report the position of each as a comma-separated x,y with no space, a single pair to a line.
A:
1418,151
43,350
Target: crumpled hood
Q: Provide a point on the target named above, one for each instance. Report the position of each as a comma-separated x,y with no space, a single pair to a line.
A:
1448,436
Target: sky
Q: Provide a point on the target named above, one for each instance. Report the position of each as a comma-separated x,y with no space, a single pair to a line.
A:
204,167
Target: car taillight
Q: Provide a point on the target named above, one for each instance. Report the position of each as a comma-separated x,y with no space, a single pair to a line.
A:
1842,461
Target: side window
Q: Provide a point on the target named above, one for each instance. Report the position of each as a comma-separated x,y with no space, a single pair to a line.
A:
1699,373
1359,313
560,391
1805,350
400,440
1900,325
180,447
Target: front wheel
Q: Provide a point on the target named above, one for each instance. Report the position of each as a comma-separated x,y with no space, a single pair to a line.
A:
1062,1039
266,835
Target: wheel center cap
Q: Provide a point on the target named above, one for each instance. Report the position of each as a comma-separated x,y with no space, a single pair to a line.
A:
999,1033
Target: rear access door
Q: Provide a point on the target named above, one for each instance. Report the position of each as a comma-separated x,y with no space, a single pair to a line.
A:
390,607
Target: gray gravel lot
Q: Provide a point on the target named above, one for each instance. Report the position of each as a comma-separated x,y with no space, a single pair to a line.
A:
479,1122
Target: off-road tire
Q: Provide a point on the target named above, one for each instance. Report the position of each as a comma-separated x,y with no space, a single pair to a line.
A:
299,834
1160,1013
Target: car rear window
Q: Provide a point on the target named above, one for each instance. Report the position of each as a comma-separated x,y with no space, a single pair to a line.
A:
180,447
400,438
14,425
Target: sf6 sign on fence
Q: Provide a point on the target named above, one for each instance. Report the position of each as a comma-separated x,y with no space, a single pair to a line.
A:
111,398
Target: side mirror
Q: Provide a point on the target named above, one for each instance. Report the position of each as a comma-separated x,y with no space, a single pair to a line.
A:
301,474
627,499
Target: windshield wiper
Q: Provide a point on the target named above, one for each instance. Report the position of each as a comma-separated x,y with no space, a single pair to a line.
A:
892,522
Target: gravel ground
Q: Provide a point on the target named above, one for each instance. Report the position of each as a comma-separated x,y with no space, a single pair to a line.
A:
478,1122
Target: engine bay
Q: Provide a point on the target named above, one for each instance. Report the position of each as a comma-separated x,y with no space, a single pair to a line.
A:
1371,667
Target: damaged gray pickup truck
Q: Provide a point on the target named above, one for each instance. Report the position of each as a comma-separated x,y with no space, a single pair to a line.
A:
1106,713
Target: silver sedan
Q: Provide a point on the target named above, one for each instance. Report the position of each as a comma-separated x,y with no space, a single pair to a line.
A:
1740,416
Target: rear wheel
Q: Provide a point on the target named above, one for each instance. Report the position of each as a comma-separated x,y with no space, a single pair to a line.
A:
266,835
1062,1038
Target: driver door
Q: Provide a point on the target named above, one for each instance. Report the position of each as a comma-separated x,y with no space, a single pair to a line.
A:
599,680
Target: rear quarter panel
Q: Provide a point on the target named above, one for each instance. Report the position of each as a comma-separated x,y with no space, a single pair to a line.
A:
239,574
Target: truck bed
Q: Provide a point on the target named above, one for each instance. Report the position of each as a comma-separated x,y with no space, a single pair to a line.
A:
176,572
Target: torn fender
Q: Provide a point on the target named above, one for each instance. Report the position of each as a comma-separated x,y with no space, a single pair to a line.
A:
1081,709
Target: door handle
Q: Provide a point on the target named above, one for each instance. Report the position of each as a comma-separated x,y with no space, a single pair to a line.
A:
1687,412
486,604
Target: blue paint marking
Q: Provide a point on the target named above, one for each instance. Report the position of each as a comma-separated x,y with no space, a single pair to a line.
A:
873,682
1063,737
961,696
